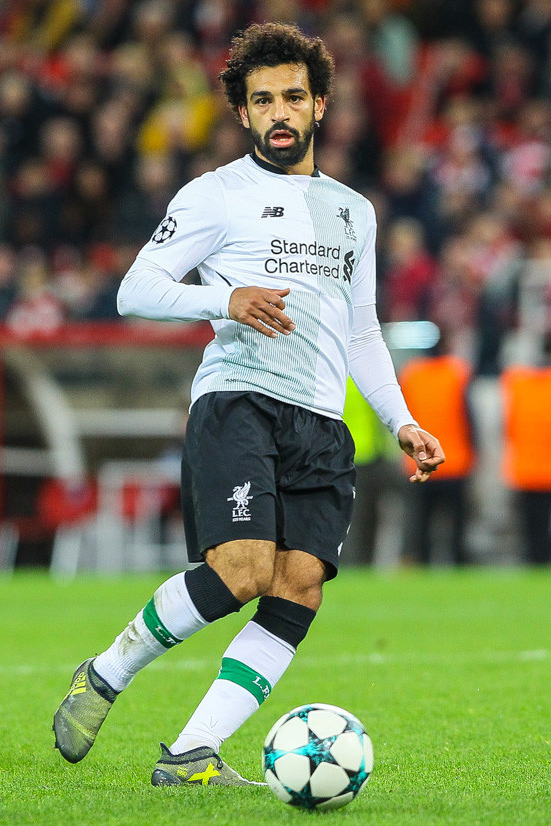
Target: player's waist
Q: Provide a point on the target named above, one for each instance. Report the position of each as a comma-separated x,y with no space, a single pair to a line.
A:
294,393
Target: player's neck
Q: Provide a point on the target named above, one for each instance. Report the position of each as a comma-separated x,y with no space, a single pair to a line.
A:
305,167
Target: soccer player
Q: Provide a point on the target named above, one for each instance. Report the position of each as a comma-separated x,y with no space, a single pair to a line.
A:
287,263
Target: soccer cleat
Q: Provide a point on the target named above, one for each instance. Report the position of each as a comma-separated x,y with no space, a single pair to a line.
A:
198,767
81,713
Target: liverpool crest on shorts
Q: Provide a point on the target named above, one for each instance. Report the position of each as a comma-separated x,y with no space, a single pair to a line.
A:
241,497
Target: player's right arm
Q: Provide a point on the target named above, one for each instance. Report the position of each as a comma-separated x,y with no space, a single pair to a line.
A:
194,229
149,292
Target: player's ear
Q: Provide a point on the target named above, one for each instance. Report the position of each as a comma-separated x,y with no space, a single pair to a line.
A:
244,115
319,107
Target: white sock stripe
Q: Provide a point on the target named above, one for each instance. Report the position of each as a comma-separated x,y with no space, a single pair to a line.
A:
223,709
277,639
227,705
176,609
137,646
153,644
262,651
134,648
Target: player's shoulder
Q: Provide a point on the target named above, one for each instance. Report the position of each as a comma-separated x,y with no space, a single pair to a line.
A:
239,174
206,185
348,195
211,184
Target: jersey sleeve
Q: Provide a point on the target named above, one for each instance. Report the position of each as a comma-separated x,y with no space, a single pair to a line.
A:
194,228
147,291
373,373
364,280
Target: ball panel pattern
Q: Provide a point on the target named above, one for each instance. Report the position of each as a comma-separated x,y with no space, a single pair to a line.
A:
277,788
325,723
317,756
349,751
328,780
336,802
293,734
368,749
293,770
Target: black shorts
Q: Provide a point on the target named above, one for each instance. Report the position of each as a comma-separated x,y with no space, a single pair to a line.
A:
257,468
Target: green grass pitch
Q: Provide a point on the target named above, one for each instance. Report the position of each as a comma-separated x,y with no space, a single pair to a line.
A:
450,671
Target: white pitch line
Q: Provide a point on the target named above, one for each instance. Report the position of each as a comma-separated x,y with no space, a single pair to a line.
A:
373,658
427,658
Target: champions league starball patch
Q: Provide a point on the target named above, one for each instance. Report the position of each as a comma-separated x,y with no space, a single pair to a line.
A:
165,230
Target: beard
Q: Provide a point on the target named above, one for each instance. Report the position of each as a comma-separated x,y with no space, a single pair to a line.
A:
288,155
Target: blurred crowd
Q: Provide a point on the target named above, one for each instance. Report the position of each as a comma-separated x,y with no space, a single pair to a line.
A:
441,115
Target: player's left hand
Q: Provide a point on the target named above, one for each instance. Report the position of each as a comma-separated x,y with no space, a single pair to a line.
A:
424,449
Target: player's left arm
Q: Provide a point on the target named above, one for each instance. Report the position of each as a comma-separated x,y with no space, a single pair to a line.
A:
372,371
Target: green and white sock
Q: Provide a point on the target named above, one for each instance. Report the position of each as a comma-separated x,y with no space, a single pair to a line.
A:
168,618
251,666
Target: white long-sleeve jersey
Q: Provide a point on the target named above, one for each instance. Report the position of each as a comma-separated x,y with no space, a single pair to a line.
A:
249,224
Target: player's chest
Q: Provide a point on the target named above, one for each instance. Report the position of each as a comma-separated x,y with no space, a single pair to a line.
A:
283,220
295,235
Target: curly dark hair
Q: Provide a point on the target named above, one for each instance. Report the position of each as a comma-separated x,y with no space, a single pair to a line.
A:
271,44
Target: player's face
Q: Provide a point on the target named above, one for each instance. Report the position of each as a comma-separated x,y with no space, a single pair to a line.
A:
281,113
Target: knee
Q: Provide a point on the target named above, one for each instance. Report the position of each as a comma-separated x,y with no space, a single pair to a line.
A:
298,577
253,581
246,567
309,594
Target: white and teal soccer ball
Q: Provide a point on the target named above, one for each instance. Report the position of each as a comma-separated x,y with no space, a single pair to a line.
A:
317,757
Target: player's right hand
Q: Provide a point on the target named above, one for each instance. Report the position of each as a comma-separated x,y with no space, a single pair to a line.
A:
261,308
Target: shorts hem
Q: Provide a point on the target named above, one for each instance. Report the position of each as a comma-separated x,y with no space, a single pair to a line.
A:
220,539
332,565
330,562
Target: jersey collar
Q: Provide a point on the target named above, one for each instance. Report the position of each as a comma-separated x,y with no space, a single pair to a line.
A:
270,167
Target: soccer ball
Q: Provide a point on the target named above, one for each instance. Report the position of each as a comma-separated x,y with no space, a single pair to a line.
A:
317,757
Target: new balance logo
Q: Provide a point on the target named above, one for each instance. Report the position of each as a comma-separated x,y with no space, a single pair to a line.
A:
272,212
